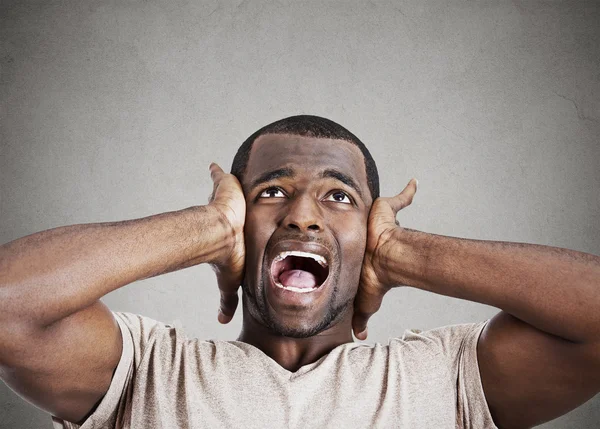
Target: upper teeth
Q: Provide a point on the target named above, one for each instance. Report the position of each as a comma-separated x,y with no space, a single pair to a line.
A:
320,259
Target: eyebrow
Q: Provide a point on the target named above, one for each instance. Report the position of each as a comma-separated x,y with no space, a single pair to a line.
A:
345,179
288,172
272,175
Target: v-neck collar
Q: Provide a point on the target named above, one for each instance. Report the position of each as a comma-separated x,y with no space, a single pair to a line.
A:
281,370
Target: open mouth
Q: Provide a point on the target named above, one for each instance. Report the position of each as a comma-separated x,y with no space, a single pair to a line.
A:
298,271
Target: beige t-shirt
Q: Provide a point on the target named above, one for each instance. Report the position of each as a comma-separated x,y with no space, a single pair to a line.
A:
166,380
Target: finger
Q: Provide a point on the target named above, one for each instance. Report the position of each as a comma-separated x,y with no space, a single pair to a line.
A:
227,307
366,303
360,327
404,198
228,286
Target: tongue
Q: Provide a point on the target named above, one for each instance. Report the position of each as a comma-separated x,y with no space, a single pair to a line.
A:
298,278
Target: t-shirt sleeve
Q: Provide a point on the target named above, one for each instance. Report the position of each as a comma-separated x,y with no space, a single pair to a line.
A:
137,333
472,408
457,347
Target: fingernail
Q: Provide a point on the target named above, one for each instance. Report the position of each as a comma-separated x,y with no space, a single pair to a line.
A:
417,183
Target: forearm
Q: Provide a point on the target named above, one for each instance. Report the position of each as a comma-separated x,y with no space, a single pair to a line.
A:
47,276
555,290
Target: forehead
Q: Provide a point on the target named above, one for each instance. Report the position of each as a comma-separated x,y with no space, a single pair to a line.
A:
308,155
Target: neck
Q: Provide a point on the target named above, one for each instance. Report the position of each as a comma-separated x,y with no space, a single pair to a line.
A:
293,353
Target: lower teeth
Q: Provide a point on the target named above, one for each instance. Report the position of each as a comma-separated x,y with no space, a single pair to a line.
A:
295,289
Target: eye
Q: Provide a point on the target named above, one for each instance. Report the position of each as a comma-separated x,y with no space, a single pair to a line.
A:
339,197
272,193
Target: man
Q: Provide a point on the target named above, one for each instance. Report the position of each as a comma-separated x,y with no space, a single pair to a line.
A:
300,227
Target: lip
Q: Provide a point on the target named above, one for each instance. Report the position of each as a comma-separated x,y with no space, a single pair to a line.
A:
302,246
291,298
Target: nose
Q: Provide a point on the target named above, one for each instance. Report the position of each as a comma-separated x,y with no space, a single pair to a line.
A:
304,214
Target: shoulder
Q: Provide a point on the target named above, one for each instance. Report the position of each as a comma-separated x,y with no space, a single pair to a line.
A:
441,349
142,334
447,339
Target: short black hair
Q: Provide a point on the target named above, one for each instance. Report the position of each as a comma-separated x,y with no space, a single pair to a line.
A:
308,126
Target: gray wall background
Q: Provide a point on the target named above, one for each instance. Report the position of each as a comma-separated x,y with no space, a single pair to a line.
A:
114,110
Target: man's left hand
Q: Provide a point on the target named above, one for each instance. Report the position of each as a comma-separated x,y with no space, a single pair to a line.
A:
374,281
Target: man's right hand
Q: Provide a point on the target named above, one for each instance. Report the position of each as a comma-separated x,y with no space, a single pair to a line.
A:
228,199
59,343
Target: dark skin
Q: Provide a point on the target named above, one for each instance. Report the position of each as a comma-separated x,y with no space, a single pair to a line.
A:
538,359
302,205
59,345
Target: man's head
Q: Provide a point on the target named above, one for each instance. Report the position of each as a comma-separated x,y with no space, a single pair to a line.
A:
309,185
308,126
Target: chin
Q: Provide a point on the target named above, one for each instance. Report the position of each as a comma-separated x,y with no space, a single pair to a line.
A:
294,325
300,329
305,327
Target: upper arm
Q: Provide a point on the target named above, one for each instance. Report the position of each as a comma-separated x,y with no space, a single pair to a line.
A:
529,376
66,368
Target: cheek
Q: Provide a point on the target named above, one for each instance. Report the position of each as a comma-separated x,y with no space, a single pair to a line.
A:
257,231
355,235
352,243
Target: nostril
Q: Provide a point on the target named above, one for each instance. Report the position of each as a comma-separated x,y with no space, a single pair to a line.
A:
314,227
293,226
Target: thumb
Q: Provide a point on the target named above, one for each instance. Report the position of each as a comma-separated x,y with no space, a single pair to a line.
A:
404,198
216,172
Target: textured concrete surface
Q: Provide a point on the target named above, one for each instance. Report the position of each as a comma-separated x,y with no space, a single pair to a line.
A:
114,110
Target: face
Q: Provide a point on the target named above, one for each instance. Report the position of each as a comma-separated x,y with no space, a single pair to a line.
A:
307,204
